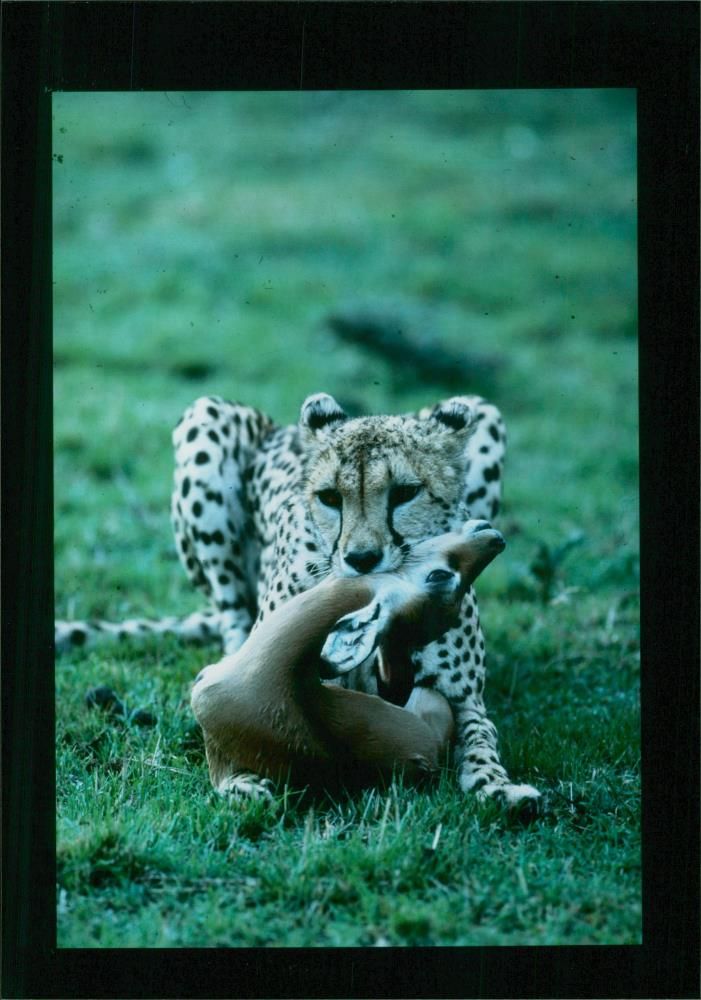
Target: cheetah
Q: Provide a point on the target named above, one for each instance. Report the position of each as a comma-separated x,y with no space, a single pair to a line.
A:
263,512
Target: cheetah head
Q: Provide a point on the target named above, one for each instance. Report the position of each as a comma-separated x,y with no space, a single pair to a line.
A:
376,486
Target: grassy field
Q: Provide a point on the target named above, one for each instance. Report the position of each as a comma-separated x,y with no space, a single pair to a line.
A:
200,243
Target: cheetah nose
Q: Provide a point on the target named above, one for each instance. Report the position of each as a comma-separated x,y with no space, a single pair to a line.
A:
363,562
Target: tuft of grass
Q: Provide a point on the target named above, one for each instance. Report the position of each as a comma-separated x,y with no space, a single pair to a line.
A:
200,248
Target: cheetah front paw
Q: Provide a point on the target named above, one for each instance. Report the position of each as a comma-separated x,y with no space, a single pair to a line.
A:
523,801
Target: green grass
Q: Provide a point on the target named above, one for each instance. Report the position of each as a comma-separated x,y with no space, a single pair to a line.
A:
200,241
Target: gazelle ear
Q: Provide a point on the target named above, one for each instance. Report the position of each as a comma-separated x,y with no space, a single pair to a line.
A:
454,414
320,412
353,639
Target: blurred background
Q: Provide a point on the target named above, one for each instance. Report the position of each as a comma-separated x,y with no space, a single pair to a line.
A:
392,249
388,247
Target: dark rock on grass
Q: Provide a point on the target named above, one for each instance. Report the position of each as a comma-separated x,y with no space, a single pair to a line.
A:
140,717
106,700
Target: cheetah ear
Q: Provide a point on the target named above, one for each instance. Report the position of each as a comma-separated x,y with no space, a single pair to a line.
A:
454,415
320,412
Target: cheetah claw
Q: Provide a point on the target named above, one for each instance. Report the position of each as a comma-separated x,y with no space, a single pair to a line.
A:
246,784
519,801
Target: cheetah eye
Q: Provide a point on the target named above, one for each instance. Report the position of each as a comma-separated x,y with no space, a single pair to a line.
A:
403,493
330,498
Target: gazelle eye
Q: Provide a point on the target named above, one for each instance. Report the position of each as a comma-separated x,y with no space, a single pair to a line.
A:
439,576
330,498
403,493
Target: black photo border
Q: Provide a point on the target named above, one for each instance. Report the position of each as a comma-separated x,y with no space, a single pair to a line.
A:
652,47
